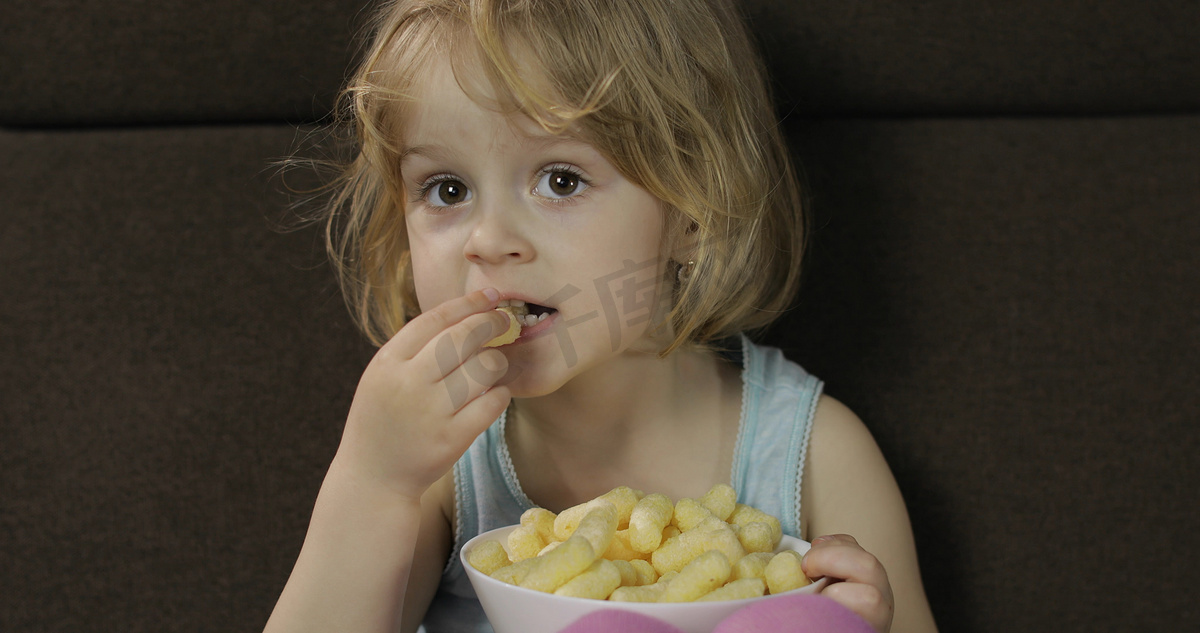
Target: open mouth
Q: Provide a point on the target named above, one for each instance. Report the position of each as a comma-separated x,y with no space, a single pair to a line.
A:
527,314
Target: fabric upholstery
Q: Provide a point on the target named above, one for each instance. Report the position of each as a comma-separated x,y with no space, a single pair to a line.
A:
72,62
1001,282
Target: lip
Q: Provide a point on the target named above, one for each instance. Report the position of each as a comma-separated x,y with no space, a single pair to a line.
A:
509,296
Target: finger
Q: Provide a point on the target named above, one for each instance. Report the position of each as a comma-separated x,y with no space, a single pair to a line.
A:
826,540
478,372
417,334
867,601
461,344
473,418
478,414
840,556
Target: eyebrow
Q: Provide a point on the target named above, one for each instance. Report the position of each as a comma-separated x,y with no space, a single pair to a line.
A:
428,151
436,152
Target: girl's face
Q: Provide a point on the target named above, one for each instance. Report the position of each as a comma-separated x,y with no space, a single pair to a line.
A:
493,200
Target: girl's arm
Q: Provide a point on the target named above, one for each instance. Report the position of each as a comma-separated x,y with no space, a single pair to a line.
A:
853,502
355,561
378,517
434,543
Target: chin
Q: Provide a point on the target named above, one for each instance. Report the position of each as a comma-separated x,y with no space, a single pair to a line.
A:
532,380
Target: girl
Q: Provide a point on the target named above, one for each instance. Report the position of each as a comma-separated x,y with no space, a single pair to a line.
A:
613,169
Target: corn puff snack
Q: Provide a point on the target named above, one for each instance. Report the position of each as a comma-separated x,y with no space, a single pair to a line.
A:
756,536
625,499
702,575
783,573
689,514
629,575
645,572
744,514
647,520
751,565
597,582
649,593
628,546
681,550
720,500
524,542
737,590
513,574
598,526
620,549
541,520
489,557
645,593
556,568
509,335
567,520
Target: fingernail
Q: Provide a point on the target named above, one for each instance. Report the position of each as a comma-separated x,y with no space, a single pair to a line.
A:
491,293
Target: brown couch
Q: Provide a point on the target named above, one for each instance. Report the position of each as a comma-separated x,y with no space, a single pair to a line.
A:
1003,283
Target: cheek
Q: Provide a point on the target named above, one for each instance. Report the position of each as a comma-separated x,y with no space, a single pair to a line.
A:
428,282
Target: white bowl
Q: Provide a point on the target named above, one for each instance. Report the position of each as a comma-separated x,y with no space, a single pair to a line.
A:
514,609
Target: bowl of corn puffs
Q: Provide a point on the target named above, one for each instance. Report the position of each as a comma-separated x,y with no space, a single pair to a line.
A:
689,563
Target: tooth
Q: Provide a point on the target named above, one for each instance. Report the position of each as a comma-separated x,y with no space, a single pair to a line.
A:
504,303
517,302
542,317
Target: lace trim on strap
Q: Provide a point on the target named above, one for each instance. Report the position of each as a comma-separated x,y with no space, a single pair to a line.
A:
804,441
506,465
735,474
459,491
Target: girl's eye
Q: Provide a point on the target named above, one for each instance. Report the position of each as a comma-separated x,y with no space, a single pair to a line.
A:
560,183
447,193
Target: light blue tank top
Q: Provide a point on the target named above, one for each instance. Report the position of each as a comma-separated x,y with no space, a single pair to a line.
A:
779,400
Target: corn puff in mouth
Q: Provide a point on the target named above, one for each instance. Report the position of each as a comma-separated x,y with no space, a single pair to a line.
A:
513,331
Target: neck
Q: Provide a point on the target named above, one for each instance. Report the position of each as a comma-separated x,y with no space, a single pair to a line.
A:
622,424
619,395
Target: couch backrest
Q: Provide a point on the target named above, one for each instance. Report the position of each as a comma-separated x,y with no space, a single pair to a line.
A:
68,63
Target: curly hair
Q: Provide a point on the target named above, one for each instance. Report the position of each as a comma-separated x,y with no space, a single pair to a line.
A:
671,92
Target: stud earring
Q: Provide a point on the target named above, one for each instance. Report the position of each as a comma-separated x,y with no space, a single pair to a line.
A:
684,272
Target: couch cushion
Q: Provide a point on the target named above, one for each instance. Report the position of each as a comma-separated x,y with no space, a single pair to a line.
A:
1012,307
1009,304
175,377
72,62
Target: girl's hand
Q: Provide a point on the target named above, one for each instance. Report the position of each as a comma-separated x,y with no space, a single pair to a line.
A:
425,396
860,581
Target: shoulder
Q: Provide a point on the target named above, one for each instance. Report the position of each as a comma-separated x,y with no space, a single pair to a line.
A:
842,449
838,429
848,484
850,489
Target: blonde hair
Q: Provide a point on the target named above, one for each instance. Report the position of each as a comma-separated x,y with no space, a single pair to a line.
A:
672,92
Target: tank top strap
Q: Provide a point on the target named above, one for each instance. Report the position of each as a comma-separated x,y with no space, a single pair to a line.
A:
779,402
487,494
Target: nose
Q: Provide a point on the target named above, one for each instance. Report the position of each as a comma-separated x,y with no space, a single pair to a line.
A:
498,236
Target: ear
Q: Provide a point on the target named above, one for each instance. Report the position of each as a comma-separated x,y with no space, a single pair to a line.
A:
685,241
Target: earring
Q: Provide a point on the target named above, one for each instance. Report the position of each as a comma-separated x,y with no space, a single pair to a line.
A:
684,272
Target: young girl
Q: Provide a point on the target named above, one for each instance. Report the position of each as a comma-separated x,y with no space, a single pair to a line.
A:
614,167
